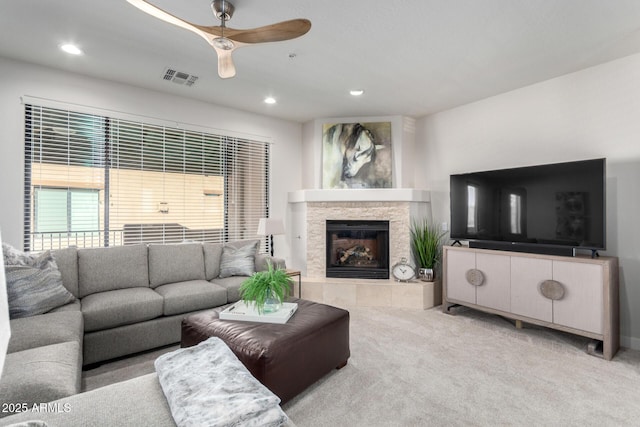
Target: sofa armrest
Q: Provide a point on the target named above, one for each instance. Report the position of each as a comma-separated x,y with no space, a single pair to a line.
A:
261,262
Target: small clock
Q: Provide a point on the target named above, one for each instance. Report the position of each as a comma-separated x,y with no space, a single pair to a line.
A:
403,271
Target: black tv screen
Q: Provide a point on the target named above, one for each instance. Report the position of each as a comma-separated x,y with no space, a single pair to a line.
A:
553,205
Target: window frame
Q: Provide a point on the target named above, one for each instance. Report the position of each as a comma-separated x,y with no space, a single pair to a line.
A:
183,143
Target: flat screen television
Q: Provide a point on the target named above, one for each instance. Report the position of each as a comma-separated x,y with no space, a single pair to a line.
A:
551,209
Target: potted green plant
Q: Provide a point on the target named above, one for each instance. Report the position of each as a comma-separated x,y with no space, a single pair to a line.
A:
266,289
426,245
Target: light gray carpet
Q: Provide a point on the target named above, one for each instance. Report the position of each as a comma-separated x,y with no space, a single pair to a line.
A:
416,368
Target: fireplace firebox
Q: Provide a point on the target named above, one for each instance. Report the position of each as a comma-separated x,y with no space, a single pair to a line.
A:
358,249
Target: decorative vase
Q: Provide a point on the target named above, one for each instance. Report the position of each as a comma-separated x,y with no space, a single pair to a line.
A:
271,303
426,274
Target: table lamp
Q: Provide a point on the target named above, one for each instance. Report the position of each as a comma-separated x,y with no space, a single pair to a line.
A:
269,227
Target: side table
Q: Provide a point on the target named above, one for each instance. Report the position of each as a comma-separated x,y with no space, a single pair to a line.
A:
293,273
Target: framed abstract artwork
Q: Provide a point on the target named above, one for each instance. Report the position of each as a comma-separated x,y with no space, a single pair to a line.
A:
357,155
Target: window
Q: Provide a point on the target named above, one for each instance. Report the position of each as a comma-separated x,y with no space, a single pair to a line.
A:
472,212
515,214
93,180
66,216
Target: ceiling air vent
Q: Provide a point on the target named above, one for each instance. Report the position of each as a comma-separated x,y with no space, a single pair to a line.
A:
179,77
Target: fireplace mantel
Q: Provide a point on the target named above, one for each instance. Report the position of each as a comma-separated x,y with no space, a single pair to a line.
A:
360,195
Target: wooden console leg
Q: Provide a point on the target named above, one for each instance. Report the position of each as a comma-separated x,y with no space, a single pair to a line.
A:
342,365
596,348
518,324
446,307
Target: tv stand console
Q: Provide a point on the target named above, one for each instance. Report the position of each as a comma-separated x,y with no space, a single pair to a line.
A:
578,295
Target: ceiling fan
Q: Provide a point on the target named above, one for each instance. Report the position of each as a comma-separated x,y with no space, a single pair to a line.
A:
224,39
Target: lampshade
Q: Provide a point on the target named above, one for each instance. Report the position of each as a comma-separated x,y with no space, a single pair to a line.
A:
5,331
270,226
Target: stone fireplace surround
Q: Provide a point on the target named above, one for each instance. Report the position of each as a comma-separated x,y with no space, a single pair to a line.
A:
397,213
398,206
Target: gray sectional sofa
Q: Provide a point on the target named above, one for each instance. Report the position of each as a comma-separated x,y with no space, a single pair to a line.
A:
128,299
136,402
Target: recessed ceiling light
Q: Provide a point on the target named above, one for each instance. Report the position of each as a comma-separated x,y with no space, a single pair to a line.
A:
270,100
71,49
356,92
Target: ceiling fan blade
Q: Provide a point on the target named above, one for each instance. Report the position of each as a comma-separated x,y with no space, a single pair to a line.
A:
167,17
224,39
281,31
286,30
226,69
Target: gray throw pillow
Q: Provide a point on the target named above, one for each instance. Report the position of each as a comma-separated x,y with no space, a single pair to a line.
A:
34,285
238,261
13,256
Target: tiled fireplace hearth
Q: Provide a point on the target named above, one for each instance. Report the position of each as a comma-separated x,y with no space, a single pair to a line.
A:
311,209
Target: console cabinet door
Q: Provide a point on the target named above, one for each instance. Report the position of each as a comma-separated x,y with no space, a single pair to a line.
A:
583,302
526,276
495,291
458,263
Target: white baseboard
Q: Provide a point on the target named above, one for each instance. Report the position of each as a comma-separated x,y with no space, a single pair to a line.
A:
630,342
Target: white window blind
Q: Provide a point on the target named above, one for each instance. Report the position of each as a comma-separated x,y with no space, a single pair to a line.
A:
92,180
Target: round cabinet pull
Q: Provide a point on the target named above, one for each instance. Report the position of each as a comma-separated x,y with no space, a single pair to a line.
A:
552,289
475,277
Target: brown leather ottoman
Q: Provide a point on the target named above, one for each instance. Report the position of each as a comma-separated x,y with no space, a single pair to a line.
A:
285,358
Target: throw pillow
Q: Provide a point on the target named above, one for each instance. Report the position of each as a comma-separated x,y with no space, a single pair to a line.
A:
238,261
34,283
13,256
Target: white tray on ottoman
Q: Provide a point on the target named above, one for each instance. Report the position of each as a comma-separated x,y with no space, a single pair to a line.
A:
248,313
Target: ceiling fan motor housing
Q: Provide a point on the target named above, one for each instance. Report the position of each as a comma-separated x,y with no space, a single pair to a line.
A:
222,9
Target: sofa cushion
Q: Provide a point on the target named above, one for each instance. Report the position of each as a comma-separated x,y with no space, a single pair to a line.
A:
183,297
74,306
67,261
238,258
212,256
136,402
175,263
35,290
232,286
125,340
45,329
107,269
109,309
41,374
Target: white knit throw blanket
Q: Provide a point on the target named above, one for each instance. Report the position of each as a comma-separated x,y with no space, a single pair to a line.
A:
206,385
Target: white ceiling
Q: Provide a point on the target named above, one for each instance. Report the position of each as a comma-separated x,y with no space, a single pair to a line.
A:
412,57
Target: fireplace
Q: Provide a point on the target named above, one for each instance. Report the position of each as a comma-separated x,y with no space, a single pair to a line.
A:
358,249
